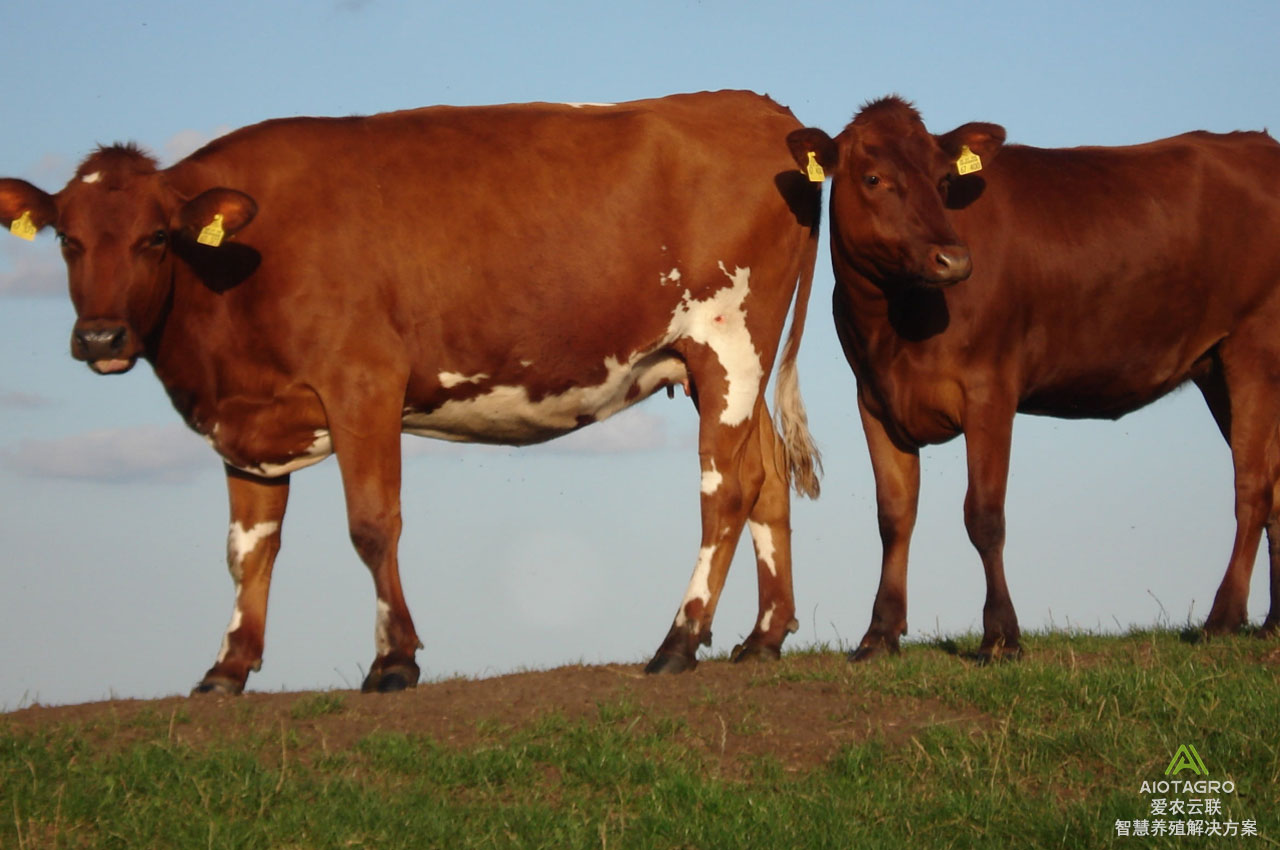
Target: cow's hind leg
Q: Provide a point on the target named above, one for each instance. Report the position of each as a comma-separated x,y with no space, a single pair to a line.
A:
770,524
730,485
257,511
1250,427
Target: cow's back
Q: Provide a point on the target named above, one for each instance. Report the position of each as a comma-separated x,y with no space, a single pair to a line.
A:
1157,248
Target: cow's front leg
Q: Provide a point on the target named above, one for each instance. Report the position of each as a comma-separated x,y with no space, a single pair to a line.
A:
988,435
257,511
897,476
366,439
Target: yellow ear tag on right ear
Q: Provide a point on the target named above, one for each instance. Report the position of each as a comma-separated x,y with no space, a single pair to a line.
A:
23,227
968,162
212,233
814,170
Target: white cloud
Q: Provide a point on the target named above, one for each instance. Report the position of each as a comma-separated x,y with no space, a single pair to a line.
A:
36,270
17,400
186,142
146,453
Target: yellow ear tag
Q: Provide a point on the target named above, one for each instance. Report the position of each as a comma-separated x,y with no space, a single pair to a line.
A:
968,162
814,170
23,227
212,233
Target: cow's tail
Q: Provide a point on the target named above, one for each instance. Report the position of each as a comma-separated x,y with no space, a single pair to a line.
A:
804,461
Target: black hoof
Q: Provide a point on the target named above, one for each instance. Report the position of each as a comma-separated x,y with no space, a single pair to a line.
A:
748,652
390,680
670,662
218,687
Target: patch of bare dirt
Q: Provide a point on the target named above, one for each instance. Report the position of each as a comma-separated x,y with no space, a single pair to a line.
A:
799,712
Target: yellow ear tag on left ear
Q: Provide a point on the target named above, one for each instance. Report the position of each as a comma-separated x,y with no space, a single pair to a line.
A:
212,233
23,227
814,170
968,162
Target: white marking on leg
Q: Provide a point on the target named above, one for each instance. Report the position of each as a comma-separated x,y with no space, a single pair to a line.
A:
449,380
236,617
699,585
762,536
720,323
242,541
711,479
382,629
767,619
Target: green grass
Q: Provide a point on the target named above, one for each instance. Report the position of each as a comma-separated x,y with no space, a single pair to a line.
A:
1046,752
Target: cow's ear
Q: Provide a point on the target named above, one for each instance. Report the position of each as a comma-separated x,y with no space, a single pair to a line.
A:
24,209
982,139
812,146
216,214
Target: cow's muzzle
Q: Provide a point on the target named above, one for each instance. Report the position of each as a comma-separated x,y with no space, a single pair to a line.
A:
108,346
947,264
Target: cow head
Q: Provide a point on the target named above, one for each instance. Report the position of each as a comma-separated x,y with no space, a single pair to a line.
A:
891,178
117,221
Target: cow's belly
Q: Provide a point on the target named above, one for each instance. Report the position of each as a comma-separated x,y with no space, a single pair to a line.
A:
508,414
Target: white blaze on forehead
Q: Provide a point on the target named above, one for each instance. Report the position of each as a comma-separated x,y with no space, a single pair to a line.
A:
92,178
711,479
762,536
382,629
720,323
241,541
699,586
449,380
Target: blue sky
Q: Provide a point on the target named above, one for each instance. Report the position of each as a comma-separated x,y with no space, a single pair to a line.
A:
114,519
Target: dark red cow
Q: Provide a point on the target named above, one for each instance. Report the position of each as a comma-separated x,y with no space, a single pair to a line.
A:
499,274
1102,278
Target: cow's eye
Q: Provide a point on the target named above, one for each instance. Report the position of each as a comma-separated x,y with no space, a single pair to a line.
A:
62,238
871,180
158,239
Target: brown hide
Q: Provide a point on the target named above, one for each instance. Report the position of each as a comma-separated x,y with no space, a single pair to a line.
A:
1102,278
498,274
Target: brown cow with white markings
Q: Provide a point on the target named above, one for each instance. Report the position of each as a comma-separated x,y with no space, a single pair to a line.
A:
1102,279
499,274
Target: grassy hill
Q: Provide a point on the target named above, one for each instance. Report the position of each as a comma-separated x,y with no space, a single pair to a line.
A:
924,750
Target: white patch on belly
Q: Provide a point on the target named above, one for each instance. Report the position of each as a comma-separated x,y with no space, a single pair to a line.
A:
711,479
762,536
672,276
319,449
506,414
92,178
382,629
699,588
449,380
720,323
